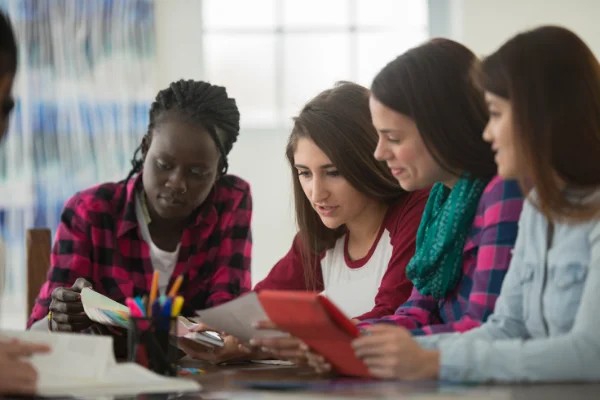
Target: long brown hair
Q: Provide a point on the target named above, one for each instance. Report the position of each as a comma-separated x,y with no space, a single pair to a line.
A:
338,121
552,80
432,84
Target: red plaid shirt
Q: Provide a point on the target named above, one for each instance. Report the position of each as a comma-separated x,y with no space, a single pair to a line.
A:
101,242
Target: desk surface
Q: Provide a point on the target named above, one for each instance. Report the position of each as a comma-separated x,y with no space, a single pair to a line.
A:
226,382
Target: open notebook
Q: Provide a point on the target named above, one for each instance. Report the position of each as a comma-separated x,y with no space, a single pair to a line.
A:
84,365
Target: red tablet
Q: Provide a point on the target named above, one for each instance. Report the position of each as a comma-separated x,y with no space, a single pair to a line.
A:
318,323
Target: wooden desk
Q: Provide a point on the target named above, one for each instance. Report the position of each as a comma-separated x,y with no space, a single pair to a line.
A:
223,383
226,378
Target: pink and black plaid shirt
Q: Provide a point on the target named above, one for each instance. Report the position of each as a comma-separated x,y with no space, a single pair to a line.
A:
99,240
486,257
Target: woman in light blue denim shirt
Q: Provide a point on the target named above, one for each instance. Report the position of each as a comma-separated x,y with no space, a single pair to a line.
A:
543,93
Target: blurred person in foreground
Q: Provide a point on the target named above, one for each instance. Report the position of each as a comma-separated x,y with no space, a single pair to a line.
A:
17,376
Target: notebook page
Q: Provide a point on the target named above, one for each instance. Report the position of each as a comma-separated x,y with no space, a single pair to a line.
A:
84,365
69,352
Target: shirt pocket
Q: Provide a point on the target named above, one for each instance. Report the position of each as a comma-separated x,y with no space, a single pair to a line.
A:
566,288
526,275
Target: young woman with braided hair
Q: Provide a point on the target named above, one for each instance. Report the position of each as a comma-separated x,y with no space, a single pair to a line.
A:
177,212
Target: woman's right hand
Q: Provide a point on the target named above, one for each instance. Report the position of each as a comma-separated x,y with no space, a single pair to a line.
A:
16,375
229,352
67,309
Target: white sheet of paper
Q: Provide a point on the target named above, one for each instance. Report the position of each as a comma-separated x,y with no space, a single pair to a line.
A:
122,379
93,299
237,316
69,351
84,365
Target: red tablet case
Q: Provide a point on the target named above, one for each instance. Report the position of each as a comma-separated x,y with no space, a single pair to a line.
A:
318,323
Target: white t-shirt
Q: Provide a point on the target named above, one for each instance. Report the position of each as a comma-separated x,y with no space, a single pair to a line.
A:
353,285
162,261
371,287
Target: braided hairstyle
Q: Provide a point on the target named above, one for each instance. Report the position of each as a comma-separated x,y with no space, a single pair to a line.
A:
199,103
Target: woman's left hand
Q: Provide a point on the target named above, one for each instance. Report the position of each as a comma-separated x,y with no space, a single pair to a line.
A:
391,352
318,363
284,348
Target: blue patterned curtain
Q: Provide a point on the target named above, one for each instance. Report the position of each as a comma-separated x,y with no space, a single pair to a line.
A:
83,88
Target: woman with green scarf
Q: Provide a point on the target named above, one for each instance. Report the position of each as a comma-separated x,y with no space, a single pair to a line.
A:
430,117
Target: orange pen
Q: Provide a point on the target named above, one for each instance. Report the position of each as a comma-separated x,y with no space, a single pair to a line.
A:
176,286
153,292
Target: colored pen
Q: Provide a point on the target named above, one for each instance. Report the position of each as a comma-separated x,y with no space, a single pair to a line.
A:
140,303
177,305
155,309
153,292
166,312
176,286
136,312
183,371
145,304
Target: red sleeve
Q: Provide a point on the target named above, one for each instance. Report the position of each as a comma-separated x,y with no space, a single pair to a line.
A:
232,277
288,273
402,222
70,258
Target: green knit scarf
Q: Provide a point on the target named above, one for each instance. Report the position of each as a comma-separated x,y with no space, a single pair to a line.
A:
437,265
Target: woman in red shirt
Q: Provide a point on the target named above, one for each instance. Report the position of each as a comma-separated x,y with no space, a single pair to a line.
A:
177,212
357,226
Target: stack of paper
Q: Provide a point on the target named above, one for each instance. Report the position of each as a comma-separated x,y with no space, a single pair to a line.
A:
84,365
103,310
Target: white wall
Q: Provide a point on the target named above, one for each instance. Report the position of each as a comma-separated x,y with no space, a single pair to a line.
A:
258,156
483,25
178,41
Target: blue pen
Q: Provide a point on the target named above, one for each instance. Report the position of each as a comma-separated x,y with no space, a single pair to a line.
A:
166,312
156,309
140,303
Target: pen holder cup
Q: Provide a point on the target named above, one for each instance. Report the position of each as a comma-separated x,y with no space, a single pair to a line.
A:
148,343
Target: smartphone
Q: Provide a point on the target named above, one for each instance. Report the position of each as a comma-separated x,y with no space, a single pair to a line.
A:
206,338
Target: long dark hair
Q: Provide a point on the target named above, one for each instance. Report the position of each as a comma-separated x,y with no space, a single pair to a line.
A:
338,121
432,85
552,80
